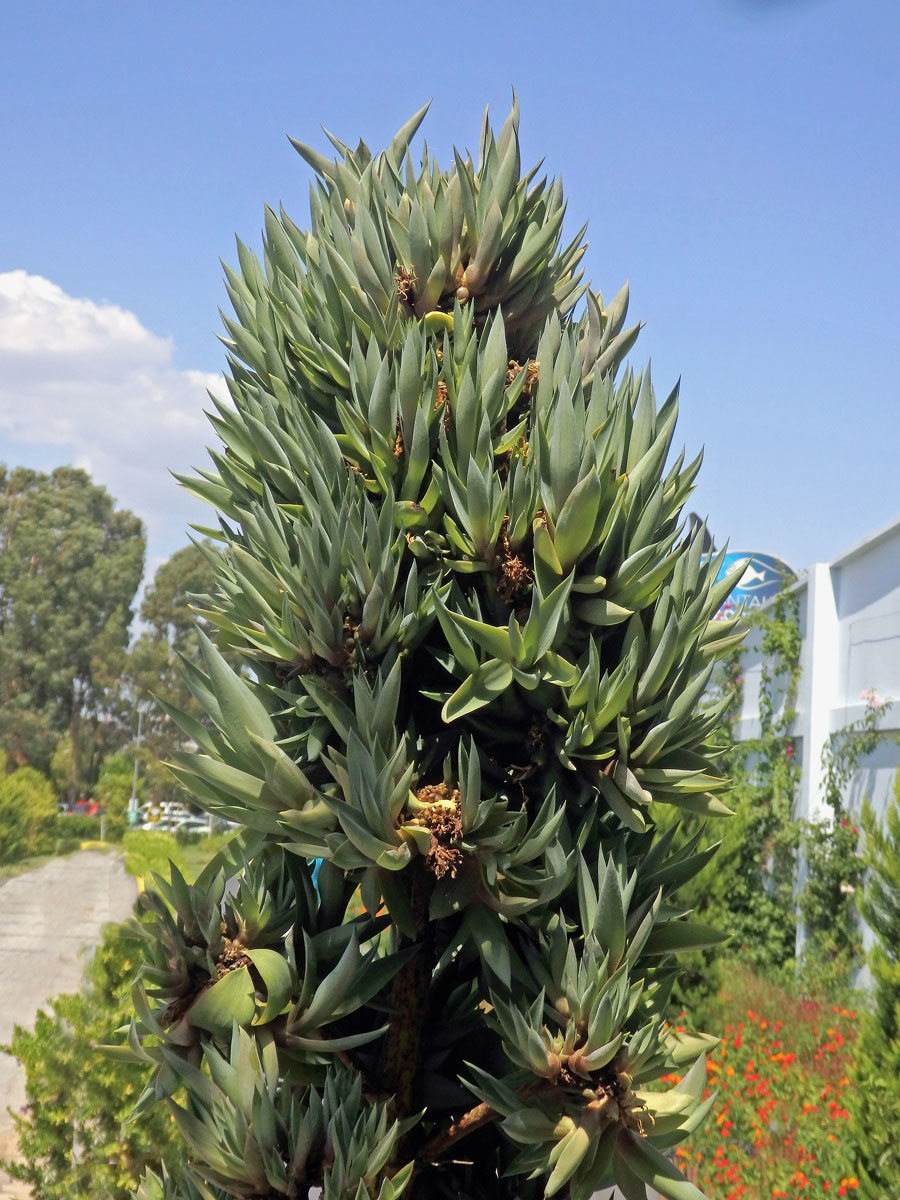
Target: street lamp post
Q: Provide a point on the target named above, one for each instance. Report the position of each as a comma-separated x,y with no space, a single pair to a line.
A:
133,801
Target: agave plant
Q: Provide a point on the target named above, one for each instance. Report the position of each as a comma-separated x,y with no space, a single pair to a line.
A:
475,639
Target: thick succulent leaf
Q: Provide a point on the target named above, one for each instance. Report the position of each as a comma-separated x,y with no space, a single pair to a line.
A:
231,998
574,1146
652,1167
674,937
277,980
485,684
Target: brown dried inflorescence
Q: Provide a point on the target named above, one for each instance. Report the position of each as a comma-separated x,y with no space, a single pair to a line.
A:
440,815
399,445
614,1097
531,374
232,958
406,281
516,577
443,402
350,630
616,1100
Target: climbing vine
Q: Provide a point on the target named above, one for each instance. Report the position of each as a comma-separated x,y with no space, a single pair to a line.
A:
834,865
774,870
767,774
847,747
780,674
750,894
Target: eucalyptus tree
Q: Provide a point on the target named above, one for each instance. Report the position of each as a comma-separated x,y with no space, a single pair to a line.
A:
70,566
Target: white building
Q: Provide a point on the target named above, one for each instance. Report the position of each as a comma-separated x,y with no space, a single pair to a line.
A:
849,611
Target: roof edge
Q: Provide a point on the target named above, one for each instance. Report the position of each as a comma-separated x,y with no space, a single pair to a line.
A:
867,543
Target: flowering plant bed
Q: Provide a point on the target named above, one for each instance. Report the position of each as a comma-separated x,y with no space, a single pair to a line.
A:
780,1129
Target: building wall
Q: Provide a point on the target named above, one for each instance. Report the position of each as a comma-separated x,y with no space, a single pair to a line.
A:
849,616
849,612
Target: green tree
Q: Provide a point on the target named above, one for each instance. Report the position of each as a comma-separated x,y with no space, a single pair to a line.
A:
60,770
453,558
75,1138
875,1096
96,738
168,604
113,792
153,671
70,564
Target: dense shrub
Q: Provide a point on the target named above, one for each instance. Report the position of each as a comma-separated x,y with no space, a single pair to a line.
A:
875,1104
146,852
77,826
68,845
827,904
27,815
188,837
75,1138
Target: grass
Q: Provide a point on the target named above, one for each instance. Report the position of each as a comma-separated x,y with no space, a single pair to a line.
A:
147,852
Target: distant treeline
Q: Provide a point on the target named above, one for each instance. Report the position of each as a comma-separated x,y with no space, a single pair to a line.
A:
73,675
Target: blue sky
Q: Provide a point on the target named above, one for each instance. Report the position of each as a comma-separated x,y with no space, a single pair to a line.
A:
736,160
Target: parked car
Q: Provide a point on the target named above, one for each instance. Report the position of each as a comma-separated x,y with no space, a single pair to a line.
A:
192,824
176,818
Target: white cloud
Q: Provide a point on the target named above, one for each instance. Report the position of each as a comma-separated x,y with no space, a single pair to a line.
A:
85,383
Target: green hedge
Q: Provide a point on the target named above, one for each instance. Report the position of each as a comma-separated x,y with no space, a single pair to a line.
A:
71,1086
27,815
77,825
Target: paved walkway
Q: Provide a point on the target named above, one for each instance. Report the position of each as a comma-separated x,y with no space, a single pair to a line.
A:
48,918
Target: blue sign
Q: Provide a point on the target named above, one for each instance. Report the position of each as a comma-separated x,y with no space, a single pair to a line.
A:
762,579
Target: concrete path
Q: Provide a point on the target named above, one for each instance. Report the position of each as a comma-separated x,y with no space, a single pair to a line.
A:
48,918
